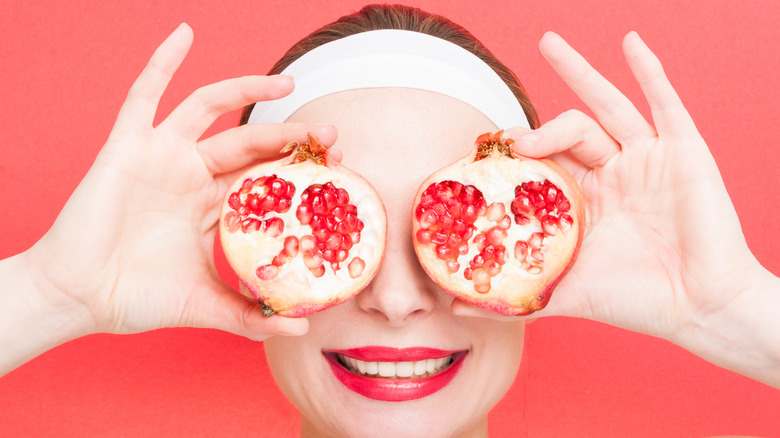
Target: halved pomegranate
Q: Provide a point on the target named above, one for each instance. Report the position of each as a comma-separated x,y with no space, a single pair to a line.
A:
498,230
303,233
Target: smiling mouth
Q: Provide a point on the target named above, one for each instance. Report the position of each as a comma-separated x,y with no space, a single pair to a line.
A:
418,369
395,374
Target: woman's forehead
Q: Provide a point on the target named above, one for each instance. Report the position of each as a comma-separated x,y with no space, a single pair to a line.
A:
396,114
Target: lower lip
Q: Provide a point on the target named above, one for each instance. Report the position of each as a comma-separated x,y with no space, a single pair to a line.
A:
395,390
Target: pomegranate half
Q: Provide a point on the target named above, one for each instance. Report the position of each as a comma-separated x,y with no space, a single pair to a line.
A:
303,233
498,230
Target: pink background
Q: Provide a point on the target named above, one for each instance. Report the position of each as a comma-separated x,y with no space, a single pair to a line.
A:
65,71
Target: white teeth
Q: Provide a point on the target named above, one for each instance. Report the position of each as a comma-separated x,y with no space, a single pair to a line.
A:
404,369
386,369
420,367
416,369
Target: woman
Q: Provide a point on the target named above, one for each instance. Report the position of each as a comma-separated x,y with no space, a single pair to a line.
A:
683,301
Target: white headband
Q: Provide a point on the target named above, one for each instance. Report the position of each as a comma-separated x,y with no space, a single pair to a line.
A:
395,58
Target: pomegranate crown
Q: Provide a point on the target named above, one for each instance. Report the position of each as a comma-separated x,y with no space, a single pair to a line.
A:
313,150
489,142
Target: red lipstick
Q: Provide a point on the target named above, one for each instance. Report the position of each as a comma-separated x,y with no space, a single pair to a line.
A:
394,388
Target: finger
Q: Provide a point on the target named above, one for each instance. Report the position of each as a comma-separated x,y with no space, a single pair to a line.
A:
200,109
230,311
612,109
240,146
336,154
669,114
141,103
573,132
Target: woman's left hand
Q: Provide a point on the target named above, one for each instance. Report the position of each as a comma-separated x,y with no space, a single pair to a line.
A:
663,252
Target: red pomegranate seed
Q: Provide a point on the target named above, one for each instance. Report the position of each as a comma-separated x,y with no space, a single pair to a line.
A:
481,280
280,259
495,212
439,237
493,268
307,244
354,237
251,224
291,246
423,236
479,240
329,255
549,225
535,241
318,272
313,260
232,221
565,223
283,206
267,272
355,267
443,252
333,242
521,250
496,236
274,226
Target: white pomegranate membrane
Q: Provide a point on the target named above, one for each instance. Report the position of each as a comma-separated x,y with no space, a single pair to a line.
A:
498,230
303,233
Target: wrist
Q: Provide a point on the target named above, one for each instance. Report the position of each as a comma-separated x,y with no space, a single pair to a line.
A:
34,315
741,335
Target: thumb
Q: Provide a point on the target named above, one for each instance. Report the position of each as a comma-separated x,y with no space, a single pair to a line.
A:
222,308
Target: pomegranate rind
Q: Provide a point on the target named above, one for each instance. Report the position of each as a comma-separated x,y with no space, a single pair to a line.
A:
294,291
514,291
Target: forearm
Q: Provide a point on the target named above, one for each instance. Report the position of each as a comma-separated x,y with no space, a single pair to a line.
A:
745,335
33,320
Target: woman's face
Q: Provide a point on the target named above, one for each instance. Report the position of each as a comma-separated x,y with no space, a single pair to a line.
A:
395,138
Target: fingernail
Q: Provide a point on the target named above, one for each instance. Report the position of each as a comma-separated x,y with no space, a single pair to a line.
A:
525,142
285,78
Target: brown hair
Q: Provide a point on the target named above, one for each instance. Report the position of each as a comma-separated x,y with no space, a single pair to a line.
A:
377,17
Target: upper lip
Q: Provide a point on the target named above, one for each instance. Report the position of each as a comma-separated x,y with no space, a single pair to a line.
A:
393,354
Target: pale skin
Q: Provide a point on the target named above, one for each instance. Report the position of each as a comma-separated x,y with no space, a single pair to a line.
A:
393,137
140,265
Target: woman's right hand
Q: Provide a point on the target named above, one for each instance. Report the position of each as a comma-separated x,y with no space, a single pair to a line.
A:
663,252
132,249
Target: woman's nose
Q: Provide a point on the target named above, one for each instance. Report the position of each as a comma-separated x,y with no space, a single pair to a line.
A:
401,291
